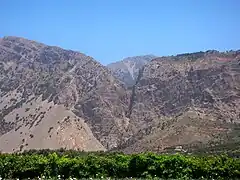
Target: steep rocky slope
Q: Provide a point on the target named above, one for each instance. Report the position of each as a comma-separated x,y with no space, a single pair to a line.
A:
127,69
53,98
185,99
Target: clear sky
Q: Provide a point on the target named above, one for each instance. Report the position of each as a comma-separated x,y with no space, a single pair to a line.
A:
110,30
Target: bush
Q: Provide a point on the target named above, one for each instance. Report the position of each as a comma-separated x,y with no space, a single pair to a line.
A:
34,164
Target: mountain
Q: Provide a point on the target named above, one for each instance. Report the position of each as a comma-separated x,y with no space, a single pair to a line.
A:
127,69
189,99
53,98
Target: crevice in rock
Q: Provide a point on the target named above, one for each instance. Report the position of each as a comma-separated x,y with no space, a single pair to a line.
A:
133,95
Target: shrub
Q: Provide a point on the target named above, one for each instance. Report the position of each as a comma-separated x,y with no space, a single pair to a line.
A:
49,163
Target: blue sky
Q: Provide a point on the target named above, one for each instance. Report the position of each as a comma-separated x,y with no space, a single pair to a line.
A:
110,30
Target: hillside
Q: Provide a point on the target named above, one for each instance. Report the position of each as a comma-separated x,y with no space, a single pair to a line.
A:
53,98
186,99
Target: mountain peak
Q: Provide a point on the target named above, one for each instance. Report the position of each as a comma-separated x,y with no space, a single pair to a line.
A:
52,98
127,69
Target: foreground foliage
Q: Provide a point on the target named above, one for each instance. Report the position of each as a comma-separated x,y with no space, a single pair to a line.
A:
117,165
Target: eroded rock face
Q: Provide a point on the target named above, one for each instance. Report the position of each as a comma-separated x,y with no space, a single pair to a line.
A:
197,94
53,98
77,82
208,82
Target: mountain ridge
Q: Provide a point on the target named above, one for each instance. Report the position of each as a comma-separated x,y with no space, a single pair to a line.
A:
54,98
46,72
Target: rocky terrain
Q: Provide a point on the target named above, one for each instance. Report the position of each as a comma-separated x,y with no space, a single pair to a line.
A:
127,69
186,99
52,98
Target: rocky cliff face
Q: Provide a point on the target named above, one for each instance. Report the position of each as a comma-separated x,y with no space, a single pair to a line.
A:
52,98
127,70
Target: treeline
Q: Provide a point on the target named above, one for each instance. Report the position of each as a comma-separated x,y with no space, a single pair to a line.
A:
67,164
64,152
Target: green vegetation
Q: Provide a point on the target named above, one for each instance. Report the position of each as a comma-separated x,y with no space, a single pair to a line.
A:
75,164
